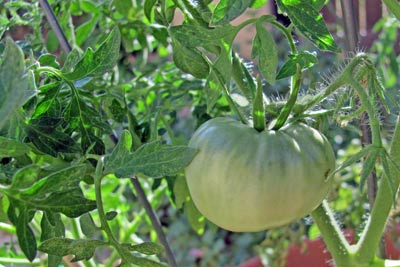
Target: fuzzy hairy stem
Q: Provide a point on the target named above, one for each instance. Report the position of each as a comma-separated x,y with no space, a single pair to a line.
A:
371,236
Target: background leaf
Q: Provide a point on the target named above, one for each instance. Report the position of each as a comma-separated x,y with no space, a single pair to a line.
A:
304,59
227,10
265,49
16,83
12,148
309,22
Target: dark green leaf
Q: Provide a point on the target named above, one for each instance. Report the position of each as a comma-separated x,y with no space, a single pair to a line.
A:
26,237
243,79
85,119
71,203
265,49
87,224
304,59
81,249
153,160
16,84
148,7
189,60
43,133
12,148
110,215
309,22
100,61
227,10
148,248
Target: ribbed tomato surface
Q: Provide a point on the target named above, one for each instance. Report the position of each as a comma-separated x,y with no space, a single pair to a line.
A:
244,180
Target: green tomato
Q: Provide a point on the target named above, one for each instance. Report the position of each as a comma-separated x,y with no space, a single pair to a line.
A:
245,181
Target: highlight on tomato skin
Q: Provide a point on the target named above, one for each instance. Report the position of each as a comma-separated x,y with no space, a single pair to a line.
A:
246,181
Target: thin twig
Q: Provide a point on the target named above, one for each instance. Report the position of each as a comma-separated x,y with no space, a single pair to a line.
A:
55,26
154,220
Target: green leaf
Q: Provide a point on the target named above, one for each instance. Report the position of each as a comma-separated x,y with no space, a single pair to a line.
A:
258,3
265,49
72,59
196,220
309,22
59,192
120,151
181,192
368,166
182,199
25,177
60,181
16,83
227,10
85,29
198,36
51,226
189,60
98,62
71,203
48,60
153,159
318,4
26,237
148,248
148,7
87,224
12,148
82,249
140,261
305,59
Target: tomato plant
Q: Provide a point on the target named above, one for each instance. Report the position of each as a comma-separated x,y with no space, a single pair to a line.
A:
244,180
95,102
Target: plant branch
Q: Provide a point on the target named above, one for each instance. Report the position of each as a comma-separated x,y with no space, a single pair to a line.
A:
331,233
55,26
372,233
154,220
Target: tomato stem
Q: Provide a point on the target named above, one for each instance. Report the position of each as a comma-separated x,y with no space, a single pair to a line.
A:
258,108
287,108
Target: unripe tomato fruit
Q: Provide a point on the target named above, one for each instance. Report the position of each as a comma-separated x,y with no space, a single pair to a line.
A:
245,181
